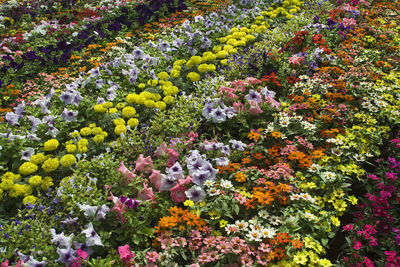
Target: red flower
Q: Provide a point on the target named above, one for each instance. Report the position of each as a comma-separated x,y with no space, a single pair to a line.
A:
317,39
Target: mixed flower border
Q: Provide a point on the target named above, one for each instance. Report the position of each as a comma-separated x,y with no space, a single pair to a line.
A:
202,163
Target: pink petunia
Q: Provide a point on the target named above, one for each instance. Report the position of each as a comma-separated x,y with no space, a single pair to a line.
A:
144,165
173,157
161,150
146,193
128,175
155,179
254,108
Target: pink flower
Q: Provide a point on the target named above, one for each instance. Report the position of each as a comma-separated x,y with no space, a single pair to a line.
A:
125,254
373,177
254,108
161,150
144,165
239,85
155,179
224,247
373,242
349,22
152,256
296,60
128,175
251,80
4,263
246,260
178,193
146,193
119,207
348,227
173,157
238,106
357,245
275,104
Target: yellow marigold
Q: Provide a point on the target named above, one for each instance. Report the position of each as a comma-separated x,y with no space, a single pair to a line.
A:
120,129
96,130
27,168
51,145
99,108
51,165
160,105
30,199
6,184
149,103
133,123
35,180
193,76
47,182
82,149
119,121
38,158
83,142
128,112
75,134
169,99
163,75
68,160
141,85
131,98
85,131
120,105
1,194
98,138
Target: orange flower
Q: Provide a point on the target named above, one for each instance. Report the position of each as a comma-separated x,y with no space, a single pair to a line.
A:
246,160
240,177
282,238
258,155
276,135
297,243
318,153
254,135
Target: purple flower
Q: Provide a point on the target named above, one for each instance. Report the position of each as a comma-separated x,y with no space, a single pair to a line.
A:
69,115
200,176
195,193
66,98
92,238
101,214
19,110
167,183
222,161
238,145
88,211
34,122
253,96
12,118
175,172
27,153
218,115
60,239
66,255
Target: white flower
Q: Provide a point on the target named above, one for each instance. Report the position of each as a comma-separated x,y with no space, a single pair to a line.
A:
328,176
359,157
213,191
310,216
314,167
268,232
226,184
241,225
255,235
295,197
275,220
307,197
284,121
263,214
209,183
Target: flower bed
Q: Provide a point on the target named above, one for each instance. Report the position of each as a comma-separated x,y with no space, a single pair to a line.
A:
232,139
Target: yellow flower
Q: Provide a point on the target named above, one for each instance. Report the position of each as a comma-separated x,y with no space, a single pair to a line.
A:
27,168
188,203
335,221
47,182
38,158
120,105
169,99
222,223
51,165
120,129
160,105
300,258
128,112
193,76
30,199
68,160
83,142
75,134
133,123
98,138
340,205
141,85
163,75
150,103
85,131
353,200
131,98
324,262
119,121
99,108
51,145
35,180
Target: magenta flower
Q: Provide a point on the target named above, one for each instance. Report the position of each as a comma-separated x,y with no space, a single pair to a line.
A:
125,254
357,245
348,227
